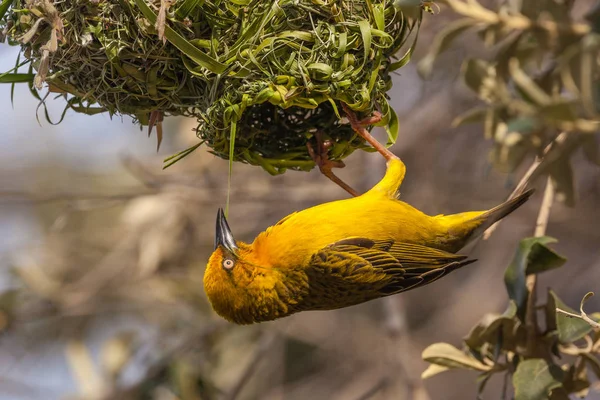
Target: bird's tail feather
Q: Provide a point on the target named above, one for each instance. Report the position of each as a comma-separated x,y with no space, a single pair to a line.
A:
494,215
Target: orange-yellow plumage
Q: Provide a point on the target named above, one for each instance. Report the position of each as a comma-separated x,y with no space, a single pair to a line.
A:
340,253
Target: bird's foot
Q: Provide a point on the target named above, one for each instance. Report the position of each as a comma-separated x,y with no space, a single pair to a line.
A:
359,128
372,120
321,158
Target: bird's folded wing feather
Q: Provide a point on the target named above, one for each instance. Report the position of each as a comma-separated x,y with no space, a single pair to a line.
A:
386,267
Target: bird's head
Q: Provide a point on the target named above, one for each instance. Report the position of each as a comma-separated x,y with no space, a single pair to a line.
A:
240,287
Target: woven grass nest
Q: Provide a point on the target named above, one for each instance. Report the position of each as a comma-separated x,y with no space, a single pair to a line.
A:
264,75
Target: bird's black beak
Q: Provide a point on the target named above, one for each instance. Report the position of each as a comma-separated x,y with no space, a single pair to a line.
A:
224,236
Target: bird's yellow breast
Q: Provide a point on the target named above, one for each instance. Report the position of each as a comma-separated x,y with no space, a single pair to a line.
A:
293,240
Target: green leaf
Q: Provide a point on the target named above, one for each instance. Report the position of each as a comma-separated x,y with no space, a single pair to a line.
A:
474,115
475,72
542,258
569,329
16,78
392,128
182,154
441,42
559,111
448,356
494,328
534,379
4,7
532,256
561,173
195,54
524,125
482,380
186,8
576,379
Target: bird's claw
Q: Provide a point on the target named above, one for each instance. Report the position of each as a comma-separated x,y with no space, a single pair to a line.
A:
321,158
372,120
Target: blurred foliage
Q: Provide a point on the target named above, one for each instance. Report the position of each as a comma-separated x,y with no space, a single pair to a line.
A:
261,77
542,78
541,89
552,362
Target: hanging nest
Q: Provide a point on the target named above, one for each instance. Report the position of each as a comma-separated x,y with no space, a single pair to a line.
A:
264,75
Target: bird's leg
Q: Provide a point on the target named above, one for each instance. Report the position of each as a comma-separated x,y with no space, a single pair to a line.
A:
326,165
359,128
394,175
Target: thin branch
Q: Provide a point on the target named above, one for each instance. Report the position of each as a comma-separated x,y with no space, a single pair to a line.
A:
582,314
531,321
544,214
583,317
534,170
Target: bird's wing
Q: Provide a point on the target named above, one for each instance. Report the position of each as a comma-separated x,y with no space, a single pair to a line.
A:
385,267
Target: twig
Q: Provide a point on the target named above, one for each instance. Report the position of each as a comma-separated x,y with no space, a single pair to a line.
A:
544,214
583,317
264,344
531,322
533,171
582,314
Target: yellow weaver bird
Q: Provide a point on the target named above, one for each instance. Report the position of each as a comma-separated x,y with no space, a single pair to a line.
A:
340,253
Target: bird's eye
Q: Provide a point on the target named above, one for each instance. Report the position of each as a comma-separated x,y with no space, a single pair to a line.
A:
228,263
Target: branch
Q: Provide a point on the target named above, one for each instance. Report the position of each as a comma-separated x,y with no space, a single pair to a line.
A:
582,314
534,171
531,322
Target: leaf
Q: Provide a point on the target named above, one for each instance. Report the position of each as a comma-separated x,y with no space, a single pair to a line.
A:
195,54
482,380
543,258
495,329
446,355
16,78
535,378
4,7
182,154
561,173
392,128
528,88
432,370
441,42
532,256
475,72
569,329
471,116
560,111
593,362
559,393
186,8
524,125
576,380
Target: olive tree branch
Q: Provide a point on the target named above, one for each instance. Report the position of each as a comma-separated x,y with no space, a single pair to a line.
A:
582,314
531,322
550,153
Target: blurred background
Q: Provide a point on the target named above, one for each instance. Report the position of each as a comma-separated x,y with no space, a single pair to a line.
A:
103,253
